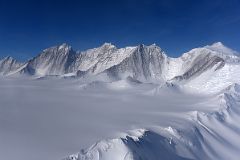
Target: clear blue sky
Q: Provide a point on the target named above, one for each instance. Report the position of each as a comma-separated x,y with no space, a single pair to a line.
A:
29,26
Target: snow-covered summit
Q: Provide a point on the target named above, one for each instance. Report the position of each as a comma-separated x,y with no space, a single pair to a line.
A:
221,48
108,45
63,48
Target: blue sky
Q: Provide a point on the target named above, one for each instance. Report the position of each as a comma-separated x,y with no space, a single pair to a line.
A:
29,26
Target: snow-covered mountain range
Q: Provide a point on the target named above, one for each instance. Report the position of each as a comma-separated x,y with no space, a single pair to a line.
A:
142,63
177,108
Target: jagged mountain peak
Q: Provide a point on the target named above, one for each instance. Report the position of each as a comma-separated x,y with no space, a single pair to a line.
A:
64,47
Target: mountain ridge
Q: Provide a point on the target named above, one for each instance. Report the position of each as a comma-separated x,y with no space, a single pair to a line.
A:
143,63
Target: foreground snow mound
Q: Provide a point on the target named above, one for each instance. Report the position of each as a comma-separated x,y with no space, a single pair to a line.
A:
147,146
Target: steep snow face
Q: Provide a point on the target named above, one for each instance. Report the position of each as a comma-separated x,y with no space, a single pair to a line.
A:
8,64
52,61
145,63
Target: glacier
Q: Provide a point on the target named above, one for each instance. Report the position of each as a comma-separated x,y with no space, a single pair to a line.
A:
130,103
